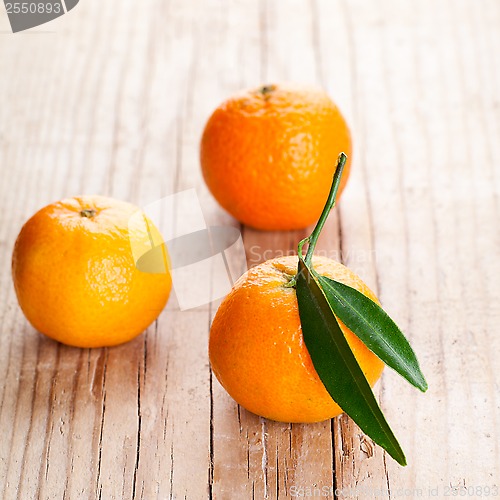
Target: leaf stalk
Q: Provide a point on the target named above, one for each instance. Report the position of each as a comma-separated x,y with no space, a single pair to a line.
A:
330,203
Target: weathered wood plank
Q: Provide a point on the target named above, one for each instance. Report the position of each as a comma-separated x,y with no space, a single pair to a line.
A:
112,99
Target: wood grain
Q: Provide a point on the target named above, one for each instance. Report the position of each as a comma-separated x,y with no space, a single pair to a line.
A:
112,98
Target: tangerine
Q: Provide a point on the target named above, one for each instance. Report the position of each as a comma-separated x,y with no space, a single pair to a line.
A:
76,277
257,350
267,154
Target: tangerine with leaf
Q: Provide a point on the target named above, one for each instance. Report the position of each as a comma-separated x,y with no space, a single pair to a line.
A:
303,339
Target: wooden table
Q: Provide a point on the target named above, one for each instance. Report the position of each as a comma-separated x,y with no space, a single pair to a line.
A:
112,98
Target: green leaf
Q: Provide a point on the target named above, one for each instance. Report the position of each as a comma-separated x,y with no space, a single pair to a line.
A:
368,321
336,365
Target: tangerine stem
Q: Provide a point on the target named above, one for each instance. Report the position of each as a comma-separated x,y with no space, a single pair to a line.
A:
267,89
330,203
88,212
